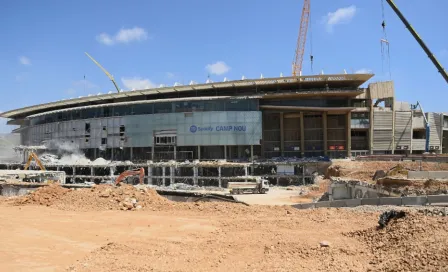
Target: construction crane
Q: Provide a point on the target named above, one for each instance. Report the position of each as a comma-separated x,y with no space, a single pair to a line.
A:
419,40
301,39
427,127
105,71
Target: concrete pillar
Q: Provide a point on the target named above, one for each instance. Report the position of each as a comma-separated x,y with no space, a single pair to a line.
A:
303,174
393,125
199,152
131,155
163,176
282,136
150,175
74,175
92,173
195,176
225,152
94,153
112,154
302,135
111,173
152,152
172,174
349,134
219,177
175,153
324,125
251,153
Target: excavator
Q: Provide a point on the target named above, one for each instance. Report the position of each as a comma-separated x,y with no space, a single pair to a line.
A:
140,172
39,163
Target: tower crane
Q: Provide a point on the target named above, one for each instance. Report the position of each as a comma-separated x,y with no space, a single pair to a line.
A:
419,40
105,71
301,39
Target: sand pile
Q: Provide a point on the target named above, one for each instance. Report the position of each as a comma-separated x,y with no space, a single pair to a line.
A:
101,197
413,243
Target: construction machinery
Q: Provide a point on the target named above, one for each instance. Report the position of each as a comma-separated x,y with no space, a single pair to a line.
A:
140,172
301,39
418,39
260,186
36,158
105,71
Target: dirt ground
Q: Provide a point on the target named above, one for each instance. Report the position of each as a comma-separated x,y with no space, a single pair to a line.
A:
60,235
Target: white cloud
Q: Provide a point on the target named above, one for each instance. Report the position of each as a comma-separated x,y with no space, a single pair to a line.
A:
217,68
24,61
137,83
123,36
340,16
363,71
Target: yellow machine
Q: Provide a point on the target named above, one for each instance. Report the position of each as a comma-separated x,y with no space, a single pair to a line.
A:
30,158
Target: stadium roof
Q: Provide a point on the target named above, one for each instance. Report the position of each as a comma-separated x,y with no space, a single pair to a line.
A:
314,81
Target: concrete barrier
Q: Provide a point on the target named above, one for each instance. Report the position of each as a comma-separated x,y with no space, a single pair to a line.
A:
414,200
395,201
428,175
353,202
437,199
370,201
338,203
324,204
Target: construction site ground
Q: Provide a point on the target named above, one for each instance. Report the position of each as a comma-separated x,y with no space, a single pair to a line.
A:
57,229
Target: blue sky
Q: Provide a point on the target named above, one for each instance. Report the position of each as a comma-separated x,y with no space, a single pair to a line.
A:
148,43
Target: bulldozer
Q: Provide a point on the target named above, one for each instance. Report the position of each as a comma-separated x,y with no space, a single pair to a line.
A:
140,172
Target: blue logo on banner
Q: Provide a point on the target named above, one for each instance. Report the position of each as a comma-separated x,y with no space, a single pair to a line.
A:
193,129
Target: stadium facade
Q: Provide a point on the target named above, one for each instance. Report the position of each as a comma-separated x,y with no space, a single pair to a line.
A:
305,116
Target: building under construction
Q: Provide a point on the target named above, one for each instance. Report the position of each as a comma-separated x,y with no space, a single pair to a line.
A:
301,116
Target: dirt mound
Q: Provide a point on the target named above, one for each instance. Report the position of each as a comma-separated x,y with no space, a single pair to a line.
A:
46,195
412,243
101,197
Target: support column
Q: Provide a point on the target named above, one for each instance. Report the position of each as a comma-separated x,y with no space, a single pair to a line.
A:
393,126
172,175
225,152
324,121
94,154
303,174
199,152
349,134
175,153
131,154
111,173
251,153
282,136
92,173
152,152
302,135
150,175
195,176
112,154
74,175
219,177
163,176
371,116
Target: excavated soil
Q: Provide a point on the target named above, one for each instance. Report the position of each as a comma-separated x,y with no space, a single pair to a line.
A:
412,243
56,229
364,170
98,198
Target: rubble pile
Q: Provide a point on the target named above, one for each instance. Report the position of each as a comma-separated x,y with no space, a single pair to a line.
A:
412,243
46,196
101,197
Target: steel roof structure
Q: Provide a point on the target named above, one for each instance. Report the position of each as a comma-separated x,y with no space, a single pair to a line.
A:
316,81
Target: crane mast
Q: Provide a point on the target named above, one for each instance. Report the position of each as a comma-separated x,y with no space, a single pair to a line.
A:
301,39
419,40
105,71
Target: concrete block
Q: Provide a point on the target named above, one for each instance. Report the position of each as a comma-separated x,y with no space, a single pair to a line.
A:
308,205
338,204
418,175
438,174
437,199
390,201
414,200
323,204
370,201
353,202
